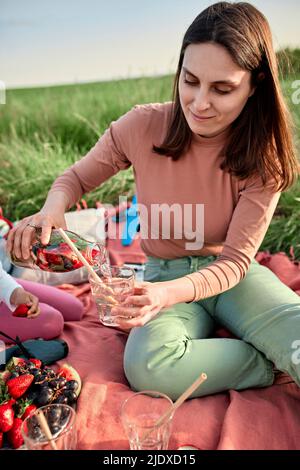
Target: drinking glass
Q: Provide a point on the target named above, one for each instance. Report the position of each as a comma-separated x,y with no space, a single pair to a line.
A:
111,291
51,427
140,414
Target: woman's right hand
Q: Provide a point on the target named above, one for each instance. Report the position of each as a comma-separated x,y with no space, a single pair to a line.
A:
21,237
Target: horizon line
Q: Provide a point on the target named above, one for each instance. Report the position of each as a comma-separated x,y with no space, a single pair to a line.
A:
85,82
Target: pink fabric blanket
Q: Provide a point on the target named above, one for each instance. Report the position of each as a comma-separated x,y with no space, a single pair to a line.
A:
266,418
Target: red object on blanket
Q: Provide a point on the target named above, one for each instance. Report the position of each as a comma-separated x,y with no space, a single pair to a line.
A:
265,418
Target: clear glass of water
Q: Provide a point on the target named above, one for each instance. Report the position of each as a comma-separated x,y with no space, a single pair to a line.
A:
140,414
111,291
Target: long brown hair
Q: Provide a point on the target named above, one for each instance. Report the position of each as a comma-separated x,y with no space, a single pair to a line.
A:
260,140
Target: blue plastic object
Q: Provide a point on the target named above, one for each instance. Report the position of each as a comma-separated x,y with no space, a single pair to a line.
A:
131,226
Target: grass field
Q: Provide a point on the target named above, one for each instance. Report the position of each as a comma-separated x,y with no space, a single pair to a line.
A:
44,130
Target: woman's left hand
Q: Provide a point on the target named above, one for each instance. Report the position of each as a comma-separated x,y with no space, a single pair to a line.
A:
147,300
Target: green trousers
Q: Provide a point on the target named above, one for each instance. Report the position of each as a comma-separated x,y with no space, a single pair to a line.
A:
169,352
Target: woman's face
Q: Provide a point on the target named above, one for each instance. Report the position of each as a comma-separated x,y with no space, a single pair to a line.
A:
212,86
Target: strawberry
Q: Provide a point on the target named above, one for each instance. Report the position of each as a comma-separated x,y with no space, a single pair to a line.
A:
25,408
95,253
14,435
36,362
76,264
18,386
1,440
29,410
54,259
41,255
21,311
6,416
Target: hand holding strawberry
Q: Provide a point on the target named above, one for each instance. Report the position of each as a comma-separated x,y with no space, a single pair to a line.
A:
27,303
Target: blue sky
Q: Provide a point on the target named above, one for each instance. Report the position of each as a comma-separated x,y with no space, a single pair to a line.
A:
64,41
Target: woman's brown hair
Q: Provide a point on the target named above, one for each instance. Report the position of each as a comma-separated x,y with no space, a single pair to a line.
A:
260,141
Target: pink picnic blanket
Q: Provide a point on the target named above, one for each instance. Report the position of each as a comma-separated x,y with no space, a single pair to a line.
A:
266,418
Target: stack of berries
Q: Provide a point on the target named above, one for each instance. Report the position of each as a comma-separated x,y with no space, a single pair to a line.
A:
26,385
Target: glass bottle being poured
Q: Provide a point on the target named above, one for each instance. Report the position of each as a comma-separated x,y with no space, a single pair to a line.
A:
58,257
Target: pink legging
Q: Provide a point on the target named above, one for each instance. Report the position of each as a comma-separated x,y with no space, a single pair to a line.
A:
56,306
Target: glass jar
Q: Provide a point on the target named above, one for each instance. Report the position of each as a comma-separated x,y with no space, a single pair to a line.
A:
58,257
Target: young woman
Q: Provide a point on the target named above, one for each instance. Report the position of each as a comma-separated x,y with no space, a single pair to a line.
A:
219,154
48,307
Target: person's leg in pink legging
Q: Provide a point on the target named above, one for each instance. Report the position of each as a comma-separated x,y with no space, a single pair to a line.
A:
56,306
47,325
69,306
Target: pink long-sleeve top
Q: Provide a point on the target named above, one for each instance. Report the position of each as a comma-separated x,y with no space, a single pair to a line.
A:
230,216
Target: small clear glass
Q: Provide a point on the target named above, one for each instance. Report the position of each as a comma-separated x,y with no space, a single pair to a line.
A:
111,291
61,422
140,414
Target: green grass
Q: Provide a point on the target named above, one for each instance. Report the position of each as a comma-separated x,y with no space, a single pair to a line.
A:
45,130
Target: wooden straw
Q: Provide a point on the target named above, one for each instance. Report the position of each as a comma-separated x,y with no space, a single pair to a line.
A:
84,261
177,403
44,425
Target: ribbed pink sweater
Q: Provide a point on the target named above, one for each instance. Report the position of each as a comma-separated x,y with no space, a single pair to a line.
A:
236,213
